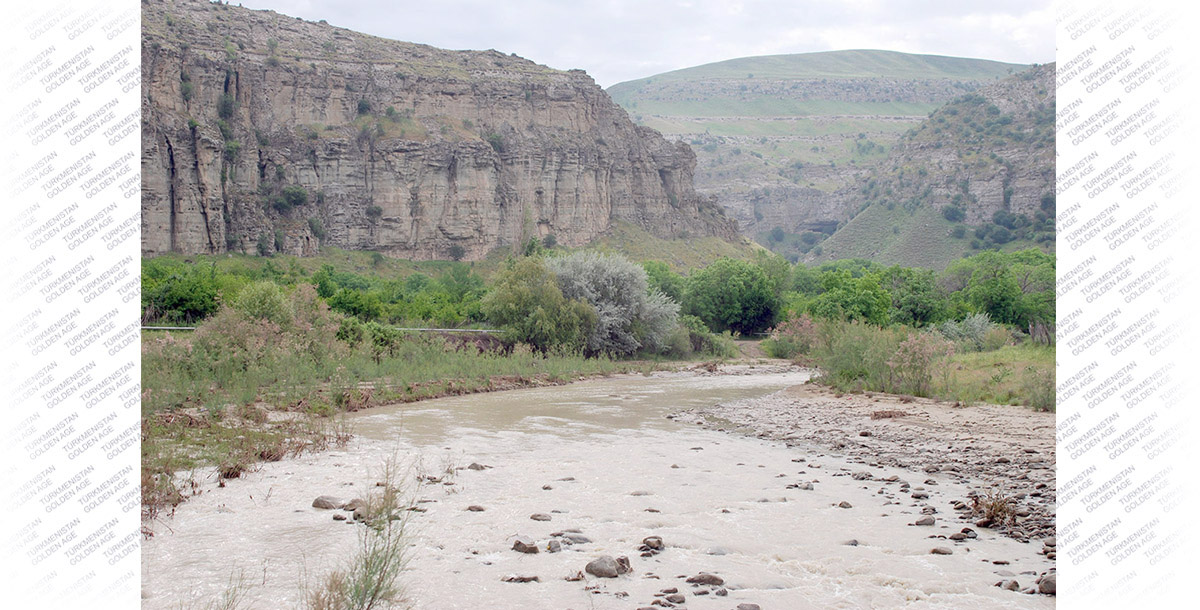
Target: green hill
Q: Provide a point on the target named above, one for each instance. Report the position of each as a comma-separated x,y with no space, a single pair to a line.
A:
781,140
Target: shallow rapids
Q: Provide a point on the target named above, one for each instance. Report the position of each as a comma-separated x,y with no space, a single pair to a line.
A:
602,458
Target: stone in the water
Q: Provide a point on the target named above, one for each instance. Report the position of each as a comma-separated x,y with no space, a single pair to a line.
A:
623,566
553,546
926,521
339,517
327,502
524,545
920,495
984,522
519,578
676,598
748,607
941,550
851,542
576,538
477,466
540,517
958,537
861,476
705,578
1048,584
604,567
721,592
475,508
354,505
844,504
1010,585
653,542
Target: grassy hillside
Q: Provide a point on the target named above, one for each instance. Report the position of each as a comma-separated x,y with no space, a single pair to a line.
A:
782,139
858,63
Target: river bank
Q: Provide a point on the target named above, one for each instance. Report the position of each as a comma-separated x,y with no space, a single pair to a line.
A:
596,467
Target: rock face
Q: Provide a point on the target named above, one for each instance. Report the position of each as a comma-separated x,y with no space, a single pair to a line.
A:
264,133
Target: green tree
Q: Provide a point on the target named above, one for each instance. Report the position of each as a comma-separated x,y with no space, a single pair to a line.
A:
916,298
528,303
660,277
846,297
732,295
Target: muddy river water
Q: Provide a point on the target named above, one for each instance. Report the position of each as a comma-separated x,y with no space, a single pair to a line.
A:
599,457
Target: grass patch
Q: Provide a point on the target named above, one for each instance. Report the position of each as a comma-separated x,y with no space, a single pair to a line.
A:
858,357
1013,374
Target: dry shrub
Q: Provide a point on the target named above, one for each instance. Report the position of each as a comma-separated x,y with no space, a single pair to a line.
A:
371,578
996,506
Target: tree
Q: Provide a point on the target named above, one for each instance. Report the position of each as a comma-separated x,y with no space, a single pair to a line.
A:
528,303
661,278
916,298
732,295
846,297
628,315
457,252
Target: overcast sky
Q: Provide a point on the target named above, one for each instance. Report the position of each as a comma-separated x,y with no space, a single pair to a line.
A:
619,40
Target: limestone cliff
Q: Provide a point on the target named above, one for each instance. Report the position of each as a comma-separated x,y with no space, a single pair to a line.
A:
267,133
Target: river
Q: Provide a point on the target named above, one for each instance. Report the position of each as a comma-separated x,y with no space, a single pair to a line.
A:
600,457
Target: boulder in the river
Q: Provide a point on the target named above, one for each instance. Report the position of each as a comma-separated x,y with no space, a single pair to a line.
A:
354,505
475,508
477,466
844,504
941,550
748,607
654,543
524,545
520,578
926,521
327,502
604,566
540,517
553,546
1048,584
704,578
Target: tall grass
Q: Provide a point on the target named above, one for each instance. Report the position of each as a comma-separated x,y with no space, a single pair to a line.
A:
235,359
371,580
973,361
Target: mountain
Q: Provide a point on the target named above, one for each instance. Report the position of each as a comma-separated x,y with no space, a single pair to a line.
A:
267,133
783,140
978,172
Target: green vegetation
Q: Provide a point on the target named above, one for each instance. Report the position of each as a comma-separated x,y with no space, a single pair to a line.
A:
958,335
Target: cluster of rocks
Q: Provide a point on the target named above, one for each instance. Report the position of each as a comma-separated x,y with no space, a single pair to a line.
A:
1046,583
969,453
608,566
356,507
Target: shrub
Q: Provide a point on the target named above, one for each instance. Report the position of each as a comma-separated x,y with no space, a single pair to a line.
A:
854,355
457,252
295,195
528,303
969,333
912,363
265,300
374,212
364,107
317,229
628,315
792,338
226,107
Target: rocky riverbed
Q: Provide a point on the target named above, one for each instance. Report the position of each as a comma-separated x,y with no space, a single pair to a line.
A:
589,496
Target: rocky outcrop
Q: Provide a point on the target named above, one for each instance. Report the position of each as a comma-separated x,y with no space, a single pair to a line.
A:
265,133
984,152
